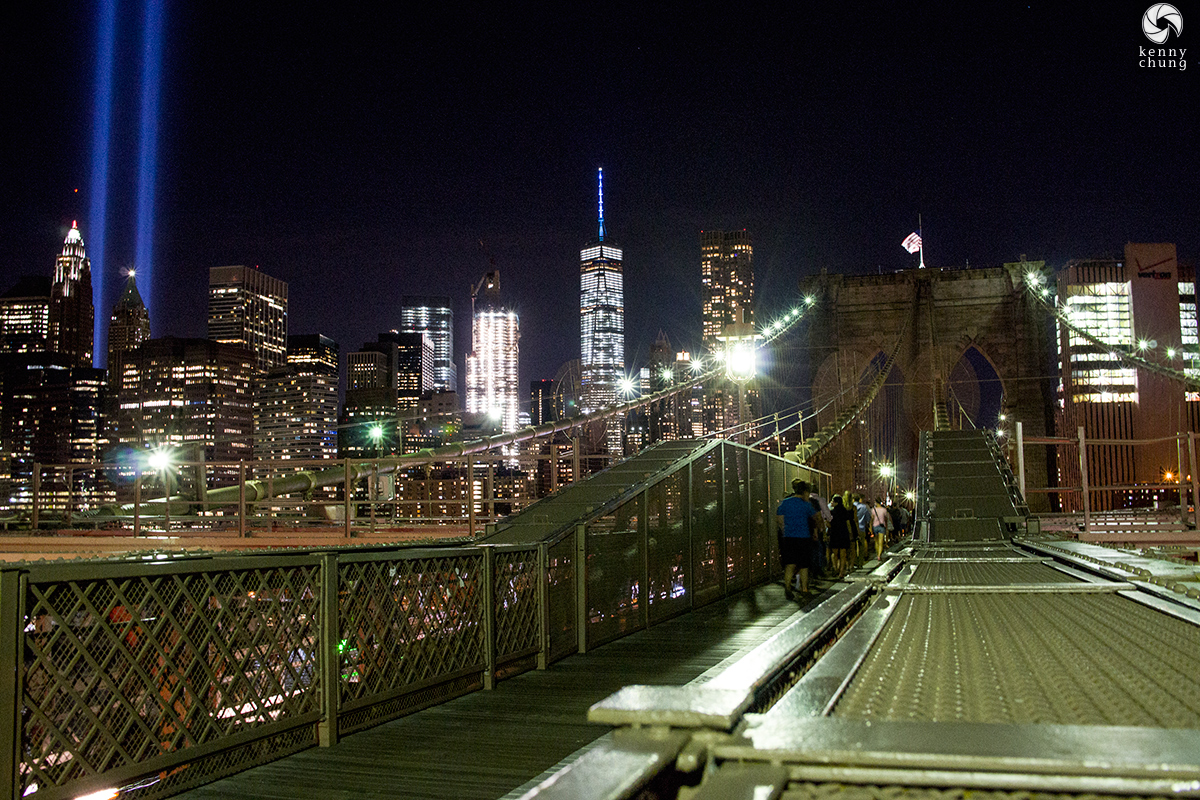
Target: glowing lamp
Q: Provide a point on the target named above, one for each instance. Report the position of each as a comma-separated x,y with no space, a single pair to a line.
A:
739,351
159,459
741,363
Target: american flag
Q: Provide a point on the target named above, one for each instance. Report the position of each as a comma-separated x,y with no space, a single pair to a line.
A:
912,242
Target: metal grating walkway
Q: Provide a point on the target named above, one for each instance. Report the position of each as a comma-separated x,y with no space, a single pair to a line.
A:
1061,658
984,572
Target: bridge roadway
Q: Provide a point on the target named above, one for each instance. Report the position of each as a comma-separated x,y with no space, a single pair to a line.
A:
984,659
981,657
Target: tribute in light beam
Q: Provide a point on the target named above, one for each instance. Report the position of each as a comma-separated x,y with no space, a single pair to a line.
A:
148,145
101,137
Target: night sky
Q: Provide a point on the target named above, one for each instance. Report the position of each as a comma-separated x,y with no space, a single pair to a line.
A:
360,152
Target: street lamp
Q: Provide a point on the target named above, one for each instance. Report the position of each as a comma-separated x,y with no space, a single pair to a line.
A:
740,357
625,386
161,459
887,472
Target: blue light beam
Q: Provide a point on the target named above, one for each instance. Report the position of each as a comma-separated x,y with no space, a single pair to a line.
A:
152,35
98,195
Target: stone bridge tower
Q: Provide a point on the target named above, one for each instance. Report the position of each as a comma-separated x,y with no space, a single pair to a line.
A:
972,345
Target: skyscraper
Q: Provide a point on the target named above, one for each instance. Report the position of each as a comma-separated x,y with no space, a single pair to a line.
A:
385,380
1145,302
727,278
129,325
248,308
434,317
50,414
25,316
313,354
492,362
601,319
727,294
188,393
541,402
296,407
71,314
414,359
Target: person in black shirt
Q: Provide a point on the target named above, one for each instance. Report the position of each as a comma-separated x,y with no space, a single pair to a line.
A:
841,534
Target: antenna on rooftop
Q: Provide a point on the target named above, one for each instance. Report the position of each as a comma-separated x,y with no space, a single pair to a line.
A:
602,204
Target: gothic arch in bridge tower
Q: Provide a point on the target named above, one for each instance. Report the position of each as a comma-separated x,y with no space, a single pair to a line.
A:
885,430
975,390
888,426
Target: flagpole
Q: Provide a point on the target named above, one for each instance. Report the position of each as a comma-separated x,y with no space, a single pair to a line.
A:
921,239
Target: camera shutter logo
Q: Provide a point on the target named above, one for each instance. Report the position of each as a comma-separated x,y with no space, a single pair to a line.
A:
1159,20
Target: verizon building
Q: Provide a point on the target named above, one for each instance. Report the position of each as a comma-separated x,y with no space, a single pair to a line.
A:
1145,303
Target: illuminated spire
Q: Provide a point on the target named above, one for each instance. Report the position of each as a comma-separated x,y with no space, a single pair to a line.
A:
602,204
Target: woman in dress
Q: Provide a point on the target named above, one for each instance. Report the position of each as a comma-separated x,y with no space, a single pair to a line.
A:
841,533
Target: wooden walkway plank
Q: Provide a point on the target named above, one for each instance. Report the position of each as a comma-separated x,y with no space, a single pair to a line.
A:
484,744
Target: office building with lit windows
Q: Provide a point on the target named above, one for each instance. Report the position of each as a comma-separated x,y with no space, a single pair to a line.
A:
727,281
193,396
414,367
492,363
313,354
385,381
129,324
1145,303
25,316
51,413
541,402
434,317
248,308
727,297
296,406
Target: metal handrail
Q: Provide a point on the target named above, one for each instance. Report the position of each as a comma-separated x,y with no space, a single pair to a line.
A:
159,671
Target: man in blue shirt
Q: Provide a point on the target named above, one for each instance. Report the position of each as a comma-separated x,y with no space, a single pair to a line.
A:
799,521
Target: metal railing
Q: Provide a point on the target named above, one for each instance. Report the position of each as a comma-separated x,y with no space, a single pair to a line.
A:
1098,479
150,675
245,497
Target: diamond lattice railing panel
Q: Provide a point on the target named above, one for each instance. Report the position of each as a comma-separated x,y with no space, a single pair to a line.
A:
516,592
121,670
404,622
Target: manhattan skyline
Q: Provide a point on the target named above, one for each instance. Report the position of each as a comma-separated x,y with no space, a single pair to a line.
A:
361,157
